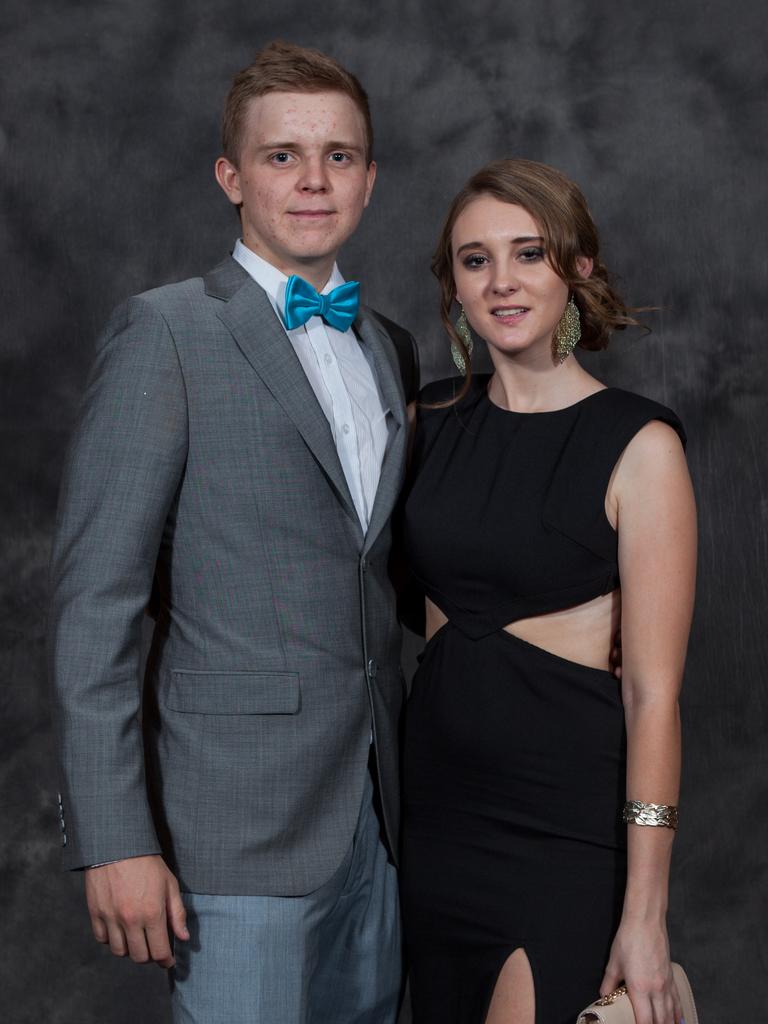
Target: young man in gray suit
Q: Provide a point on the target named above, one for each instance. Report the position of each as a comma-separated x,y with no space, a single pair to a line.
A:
238,455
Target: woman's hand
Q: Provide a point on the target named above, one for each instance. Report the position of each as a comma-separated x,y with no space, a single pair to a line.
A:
640,960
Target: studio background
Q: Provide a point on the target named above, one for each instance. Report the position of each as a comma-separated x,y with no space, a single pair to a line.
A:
108,132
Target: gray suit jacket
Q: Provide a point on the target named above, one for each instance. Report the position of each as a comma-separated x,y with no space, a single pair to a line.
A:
203,477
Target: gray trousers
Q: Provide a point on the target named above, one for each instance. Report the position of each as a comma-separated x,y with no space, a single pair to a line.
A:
331,957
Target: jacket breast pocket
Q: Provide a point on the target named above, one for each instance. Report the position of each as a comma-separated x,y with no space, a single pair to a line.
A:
234,693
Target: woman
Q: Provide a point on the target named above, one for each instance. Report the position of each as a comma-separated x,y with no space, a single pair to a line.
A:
545,511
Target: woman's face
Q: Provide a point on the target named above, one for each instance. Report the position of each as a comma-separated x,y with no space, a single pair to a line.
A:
512,297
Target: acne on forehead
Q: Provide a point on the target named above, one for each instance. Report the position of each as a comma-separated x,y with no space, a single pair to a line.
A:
279,114
310,117
314,125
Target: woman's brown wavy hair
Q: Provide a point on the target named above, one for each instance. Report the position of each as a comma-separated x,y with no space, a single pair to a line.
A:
559,208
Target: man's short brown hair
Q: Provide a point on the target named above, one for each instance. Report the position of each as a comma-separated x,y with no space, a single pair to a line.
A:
285,67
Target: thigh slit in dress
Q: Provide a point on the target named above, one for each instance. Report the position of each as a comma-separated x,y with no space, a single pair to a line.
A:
514,758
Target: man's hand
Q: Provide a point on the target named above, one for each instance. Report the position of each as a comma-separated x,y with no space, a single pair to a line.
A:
135,905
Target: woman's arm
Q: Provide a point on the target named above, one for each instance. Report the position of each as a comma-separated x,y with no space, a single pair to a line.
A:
655,512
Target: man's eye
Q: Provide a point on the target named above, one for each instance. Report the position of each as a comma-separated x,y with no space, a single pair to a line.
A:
339,158
280,158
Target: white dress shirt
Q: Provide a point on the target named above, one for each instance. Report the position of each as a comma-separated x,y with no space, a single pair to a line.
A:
340,372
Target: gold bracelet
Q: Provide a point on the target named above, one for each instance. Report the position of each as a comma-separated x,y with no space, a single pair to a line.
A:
660,815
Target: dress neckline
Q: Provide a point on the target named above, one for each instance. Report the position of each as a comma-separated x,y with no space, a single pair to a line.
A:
542,412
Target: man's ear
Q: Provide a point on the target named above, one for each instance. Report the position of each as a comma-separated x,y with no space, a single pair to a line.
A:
371,177
228,177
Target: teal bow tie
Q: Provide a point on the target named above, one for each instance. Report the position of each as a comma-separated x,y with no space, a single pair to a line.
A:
338,308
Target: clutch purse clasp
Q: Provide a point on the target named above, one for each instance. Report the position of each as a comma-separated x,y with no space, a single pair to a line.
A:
611,997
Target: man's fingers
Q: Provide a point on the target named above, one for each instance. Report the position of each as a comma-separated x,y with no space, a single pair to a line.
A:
177,915
99,928
159,945
117,941
137,944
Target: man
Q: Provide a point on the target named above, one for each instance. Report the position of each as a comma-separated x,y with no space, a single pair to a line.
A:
238,455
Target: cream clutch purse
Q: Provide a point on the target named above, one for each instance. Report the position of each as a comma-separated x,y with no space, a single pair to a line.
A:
617,1009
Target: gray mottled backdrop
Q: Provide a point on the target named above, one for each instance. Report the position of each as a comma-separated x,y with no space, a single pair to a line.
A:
108,132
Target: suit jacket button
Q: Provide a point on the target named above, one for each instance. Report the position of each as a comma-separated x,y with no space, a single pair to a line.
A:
372,666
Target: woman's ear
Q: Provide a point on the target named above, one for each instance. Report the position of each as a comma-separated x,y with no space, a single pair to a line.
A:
584,265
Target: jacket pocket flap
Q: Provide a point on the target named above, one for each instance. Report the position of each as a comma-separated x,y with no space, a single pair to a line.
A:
234,693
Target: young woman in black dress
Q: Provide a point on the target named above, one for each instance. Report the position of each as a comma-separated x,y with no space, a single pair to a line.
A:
545,511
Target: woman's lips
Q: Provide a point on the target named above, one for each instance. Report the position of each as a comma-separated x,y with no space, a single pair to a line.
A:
509,314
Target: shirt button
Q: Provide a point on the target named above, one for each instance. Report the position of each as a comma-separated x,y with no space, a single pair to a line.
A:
345,428
328,358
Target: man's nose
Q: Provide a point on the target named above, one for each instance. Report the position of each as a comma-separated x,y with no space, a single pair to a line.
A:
314,176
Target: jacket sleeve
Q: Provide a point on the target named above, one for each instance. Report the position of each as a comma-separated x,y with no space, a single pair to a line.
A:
122,472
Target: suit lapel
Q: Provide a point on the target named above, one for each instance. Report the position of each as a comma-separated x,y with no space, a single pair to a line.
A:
387,370
248,314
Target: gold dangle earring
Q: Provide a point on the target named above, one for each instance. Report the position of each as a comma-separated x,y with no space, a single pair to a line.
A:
568,331
465,333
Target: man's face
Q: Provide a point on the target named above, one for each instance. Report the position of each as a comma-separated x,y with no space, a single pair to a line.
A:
302,179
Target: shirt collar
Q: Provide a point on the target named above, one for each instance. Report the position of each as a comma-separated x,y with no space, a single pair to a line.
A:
272,280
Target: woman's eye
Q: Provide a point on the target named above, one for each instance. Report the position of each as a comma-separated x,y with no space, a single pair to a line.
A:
531,255
474,261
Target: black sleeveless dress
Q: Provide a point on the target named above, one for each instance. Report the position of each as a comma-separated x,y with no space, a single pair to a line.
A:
514,758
